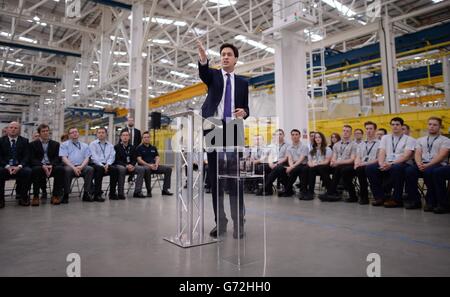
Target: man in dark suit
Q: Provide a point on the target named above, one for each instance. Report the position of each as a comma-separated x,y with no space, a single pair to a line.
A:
135,134
14,157
45,162
227,100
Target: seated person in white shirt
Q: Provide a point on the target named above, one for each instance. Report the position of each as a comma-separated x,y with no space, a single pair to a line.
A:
102,157
395,155
319,158
277,160
75,156
431,153
342,162
366,154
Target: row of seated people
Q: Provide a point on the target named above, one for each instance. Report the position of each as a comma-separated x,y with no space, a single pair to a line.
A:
33,163
396,162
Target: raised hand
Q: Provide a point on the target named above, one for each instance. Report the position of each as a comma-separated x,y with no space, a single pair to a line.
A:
201,52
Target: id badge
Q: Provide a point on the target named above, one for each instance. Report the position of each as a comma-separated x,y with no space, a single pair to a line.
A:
427,158
128,159
391,158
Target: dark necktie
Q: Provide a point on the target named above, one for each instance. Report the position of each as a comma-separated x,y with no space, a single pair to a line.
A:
14,151
227,103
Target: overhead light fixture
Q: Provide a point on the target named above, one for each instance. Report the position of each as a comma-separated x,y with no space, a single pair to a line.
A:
160,41
193,65
343,9
223,3
254,43
165,82
180,74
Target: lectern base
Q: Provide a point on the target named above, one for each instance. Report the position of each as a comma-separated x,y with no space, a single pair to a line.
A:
185,243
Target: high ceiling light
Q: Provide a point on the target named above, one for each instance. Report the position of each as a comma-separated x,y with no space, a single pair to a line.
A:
223,3
343,9
180,74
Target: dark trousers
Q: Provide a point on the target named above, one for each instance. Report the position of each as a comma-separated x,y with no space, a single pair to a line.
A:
324,172
363,184
298,171
236,192
38,178
87,173
23,181
99,173
412,174
440,175
396,175
166,171
347,173
279,172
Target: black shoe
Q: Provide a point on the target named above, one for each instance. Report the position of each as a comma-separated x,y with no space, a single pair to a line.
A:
323,197
65,200
307,197
99,198
113,197
441,210
428,208
412,205
363,201
121,197
2,203
165,193
287,194
351,200
87,197
213,232
24,202
139,195
334,197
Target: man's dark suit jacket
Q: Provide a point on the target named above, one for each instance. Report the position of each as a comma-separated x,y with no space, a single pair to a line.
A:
22,151
121,155
213,78
37,153
137,136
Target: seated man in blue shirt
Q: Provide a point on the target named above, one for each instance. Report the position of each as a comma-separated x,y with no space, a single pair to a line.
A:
148,158
75,156
102,157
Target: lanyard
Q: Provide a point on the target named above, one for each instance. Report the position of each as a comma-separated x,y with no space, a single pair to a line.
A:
103,150
430,147
127,149
368,152
342,148
77,145
394,148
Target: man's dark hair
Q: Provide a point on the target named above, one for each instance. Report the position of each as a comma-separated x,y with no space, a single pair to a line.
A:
360,130
384,130
101,128
348,126
439,120
42,126
145,132
407,126
71,128
296,130
368,123
229,45
124,131
397,119
279,130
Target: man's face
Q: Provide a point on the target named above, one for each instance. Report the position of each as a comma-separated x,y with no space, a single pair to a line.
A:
380,134
396,127
125,137
405,130
35,136
433,127
146,138
73,134
358,135
370,131
101,134
44,134
130,122
295,137
227,58
13,129
346,132
280,137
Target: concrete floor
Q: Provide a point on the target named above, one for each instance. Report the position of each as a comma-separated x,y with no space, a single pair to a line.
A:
301,238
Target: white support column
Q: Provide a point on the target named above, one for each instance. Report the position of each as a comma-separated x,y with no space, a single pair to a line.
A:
86,132
105,46
446,74
388,66
135,82
290,76
85,63
111,131
41,111
59,113
68,80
